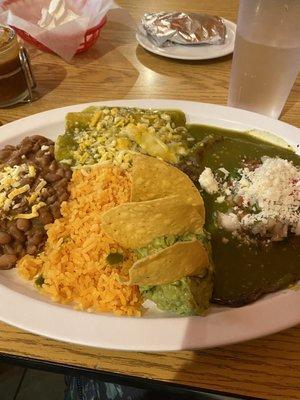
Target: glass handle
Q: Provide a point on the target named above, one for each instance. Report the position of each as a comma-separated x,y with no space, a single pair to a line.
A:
27,71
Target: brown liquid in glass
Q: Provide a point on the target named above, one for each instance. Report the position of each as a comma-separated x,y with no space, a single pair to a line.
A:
13,87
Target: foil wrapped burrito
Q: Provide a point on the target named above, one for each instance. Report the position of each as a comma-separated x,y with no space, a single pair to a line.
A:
165,28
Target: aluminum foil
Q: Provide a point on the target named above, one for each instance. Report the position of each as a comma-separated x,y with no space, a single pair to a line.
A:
166,28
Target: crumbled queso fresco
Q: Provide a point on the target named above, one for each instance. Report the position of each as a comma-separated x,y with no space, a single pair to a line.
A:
263,200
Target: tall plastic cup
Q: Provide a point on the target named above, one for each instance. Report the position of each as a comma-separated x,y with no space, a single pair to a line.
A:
266,57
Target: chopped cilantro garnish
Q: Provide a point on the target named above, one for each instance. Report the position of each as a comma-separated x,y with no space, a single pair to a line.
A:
40,280
114,258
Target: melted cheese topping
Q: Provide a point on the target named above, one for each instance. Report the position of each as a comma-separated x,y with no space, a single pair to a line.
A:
10,188
34,211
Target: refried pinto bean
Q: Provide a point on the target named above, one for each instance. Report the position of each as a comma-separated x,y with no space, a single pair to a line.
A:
16,233
7,261
31,249
45,215
5,238
51,177
52,199
23,224
48,182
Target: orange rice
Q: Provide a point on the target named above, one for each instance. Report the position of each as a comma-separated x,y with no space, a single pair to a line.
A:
74,265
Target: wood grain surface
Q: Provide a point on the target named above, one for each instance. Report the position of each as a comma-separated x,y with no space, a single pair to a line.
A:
117,68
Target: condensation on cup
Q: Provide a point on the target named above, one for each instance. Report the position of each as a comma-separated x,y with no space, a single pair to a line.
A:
266,57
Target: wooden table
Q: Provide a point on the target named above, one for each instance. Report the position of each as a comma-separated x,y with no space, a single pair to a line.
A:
117,68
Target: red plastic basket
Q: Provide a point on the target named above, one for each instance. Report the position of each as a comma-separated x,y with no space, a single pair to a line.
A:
90,38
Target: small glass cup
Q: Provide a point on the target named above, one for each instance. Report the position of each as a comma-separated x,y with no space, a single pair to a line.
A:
16,77
266,57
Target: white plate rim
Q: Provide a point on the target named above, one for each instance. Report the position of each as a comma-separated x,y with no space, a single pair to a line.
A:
271,314
147,45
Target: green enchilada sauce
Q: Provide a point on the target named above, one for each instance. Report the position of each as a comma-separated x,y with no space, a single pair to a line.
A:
243,272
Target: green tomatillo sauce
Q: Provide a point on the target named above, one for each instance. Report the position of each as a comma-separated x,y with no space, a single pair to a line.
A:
243,272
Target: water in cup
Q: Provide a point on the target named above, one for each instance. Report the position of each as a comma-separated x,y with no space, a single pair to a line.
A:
264,76
266,57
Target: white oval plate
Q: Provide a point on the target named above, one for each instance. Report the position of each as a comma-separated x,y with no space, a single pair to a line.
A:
192,52
21,305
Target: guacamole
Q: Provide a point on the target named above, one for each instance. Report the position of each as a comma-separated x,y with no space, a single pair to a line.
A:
165,241
187,296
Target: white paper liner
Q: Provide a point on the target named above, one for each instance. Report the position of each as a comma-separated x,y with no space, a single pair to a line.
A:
63,39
